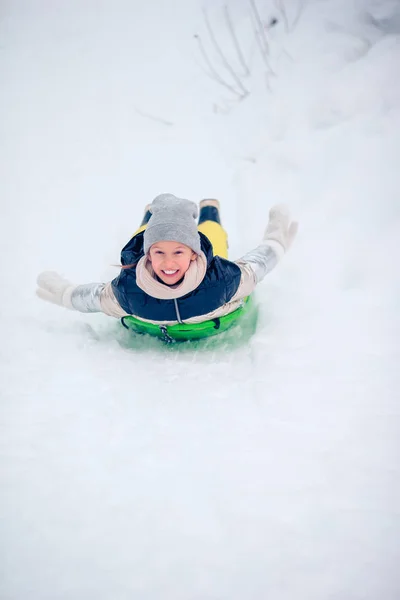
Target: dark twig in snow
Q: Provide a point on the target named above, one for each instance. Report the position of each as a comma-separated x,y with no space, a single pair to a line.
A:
236,42
302,5
213,73
226,64
260,33
281,7
153,118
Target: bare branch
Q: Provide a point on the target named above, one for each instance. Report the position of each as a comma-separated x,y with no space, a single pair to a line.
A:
301,5
213,73
262,37
281,7
258,36
153,118
235,42
222,56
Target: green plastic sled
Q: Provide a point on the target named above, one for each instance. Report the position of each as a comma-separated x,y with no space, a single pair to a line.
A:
185,331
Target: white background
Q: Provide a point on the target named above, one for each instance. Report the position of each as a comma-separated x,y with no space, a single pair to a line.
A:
266,468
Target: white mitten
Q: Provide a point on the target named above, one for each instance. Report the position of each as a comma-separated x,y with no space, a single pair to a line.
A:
54,288
280,231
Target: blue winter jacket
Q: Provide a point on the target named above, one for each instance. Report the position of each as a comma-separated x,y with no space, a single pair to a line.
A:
219,285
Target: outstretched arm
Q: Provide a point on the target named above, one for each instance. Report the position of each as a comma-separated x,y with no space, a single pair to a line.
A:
86,298
278,237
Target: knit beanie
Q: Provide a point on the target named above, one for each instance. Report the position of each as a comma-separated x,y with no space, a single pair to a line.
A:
172,219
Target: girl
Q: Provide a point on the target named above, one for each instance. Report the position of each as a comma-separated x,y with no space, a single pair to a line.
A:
175,270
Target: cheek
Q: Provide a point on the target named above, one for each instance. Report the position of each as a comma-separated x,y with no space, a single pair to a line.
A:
184,261
154,262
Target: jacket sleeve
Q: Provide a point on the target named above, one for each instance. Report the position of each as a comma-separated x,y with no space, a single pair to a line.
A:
256,264
96,297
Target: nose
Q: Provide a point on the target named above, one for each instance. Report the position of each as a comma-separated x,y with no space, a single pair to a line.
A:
169,262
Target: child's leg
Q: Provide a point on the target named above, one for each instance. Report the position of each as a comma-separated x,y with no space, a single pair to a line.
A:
145,220
210,225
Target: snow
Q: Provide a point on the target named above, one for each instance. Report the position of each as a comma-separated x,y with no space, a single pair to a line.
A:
266,468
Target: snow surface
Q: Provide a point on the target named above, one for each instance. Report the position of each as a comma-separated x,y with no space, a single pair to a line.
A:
266,468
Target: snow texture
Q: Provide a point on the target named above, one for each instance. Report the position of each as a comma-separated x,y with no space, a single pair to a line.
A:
258,468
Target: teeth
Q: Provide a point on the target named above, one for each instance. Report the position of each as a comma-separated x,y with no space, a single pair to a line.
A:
170,272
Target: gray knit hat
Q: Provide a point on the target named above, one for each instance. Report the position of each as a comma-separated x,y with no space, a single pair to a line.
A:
172,219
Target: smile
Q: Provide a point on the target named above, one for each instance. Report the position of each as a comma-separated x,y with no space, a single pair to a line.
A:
170,272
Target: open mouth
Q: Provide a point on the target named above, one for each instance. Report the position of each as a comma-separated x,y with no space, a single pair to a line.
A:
170,273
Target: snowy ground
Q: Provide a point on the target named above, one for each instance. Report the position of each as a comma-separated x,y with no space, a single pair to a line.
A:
267,469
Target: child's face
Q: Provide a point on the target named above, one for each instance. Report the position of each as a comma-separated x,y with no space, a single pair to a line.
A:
171,260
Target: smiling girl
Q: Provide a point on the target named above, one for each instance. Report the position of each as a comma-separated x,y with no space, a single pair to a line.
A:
175,269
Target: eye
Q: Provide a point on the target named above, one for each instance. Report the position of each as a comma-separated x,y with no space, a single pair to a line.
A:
178,252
